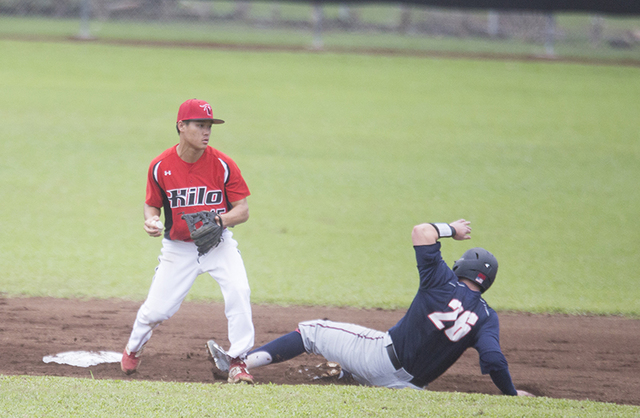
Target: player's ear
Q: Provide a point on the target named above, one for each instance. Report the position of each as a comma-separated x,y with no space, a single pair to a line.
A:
181,126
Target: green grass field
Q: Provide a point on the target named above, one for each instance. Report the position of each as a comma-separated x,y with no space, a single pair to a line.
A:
343,154
53,396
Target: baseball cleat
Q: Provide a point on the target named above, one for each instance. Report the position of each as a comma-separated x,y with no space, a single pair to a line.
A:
220,357
130,361
238,373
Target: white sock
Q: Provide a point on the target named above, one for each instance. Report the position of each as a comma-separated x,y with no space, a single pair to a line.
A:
258,359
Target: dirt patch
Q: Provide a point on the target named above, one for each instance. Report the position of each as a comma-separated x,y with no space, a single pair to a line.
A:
573,357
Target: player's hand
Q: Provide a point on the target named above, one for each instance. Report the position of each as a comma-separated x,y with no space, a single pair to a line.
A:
151,226
462,229
524,393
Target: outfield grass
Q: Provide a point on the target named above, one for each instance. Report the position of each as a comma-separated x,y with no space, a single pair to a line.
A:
343,154
53,396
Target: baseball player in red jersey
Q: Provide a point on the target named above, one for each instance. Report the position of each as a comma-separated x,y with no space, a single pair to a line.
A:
187,178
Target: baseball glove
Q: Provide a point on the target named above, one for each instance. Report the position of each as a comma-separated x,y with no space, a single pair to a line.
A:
209,234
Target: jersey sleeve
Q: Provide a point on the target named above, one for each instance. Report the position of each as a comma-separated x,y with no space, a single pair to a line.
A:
493,362
154,190
488,345
502,380
432,268
235,186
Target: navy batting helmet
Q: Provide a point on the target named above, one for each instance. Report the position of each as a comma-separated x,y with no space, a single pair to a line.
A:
477,265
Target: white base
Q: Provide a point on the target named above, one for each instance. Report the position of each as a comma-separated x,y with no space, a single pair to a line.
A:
84,358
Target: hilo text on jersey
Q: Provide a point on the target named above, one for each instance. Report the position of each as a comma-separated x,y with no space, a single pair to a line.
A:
193,196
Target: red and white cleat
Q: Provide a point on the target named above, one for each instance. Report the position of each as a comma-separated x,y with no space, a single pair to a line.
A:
238,372
130,361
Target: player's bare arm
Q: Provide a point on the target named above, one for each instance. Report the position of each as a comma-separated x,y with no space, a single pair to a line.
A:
429,233
151,219
238,214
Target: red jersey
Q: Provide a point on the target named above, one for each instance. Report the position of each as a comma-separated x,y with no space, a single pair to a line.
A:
210,183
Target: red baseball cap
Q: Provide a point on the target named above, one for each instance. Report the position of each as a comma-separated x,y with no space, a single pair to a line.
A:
194,109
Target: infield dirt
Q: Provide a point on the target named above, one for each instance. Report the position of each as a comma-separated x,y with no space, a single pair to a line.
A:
558,356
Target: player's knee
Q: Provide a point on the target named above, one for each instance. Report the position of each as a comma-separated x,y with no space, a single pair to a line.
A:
312,324
237,292
153,317
311,331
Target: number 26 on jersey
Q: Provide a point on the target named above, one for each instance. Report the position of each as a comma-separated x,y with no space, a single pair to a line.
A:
462,320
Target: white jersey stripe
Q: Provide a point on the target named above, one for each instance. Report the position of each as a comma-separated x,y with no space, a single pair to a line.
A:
155,171
226,170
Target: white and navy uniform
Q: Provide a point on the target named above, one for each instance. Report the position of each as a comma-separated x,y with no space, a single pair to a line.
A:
444,319
178,187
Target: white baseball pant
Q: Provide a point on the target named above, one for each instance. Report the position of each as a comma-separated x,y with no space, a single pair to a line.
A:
179,265
361,351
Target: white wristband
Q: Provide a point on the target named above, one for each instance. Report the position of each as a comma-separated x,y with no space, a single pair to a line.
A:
444,230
